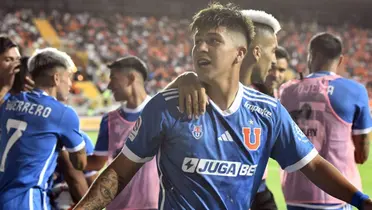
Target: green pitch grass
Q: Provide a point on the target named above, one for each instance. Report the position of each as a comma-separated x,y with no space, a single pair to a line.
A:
273,180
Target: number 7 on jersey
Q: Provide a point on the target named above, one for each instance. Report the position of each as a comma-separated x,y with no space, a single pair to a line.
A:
19,126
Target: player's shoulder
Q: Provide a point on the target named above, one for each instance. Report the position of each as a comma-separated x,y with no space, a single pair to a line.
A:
89,147
169,98
288,84
348,83
68,113
257,98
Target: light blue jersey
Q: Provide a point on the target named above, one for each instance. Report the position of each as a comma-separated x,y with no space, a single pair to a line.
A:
34,128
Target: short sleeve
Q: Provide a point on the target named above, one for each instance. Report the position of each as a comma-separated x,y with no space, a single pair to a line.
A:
146,137
292,149
101,148
89,147
70,135
362,122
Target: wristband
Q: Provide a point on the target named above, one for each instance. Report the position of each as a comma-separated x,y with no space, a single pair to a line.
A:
358,199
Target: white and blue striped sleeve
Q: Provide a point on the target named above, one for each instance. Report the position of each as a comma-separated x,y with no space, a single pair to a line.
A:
292,149
145,139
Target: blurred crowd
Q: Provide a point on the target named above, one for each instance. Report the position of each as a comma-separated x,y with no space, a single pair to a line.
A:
165,43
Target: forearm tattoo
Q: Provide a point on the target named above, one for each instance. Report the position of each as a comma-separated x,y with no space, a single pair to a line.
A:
103,191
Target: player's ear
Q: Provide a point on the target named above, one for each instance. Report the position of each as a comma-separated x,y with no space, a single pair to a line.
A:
56,78
340,60
242,51
131,77
256,52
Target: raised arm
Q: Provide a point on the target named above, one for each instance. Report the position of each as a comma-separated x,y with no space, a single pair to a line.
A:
192,96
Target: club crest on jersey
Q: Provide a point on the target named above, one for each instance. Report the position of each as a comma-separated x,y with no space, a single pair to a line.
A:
197,131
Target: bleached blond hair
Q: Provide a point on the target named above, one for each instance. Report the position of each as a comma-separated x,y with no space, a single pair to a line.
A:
262,17
49,58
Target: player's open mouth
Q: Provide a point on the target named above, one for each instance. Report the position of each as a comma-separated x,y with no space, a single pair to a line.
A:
203,62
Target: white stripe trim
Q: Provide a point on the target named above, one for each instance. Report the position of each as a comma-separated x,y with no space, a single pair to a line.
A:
229,136
259,95
362,131
44,201
77,148
31,199
303,162
170,97
234,106
42,174
90,173
169,90
260,100
170,93
138,108
133,157
161,182
324,207
101,153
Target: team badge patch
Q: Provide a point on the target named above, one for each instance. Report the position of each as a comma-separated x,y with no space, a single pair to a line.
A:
197,131
135,130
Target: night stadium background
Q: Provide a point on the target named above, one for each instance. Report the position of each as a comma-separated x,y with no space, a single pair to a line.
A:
95,32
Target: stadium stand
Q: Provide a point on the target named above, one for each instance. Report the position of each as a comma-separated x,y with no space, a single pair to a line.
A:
163,43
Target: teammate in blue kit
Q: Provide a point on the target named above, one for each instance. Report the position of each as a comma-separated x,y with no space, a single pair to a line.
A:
35,127
216,161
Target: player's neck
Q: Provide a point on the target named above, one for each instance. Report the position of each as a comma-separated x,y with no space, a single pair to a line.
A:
51,91
246,75
223,93
137,98
324,69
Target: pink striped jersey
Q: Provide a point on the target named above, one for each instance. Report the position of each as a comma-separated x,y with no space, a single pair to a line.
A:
328,109
142,192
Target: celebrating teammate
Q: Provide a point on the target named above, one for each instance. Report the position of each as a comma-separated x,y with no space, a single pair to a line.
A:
216,161
35,127
259,58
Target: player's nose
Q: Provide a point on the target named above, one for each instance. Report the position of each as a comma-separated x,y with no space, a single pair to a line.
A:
202,47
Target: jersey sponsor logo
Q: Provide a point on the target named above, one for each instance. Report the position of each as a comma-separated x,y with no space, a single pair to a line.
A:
197,131
135,129
254,108
252,143
217,167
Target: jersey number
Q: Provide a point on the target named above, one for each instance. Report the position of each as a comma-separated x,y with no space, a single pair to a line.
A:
247,138
19,126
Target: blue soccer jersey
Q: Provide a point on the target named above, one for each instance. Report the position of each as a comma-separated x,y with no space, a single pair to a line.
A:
218,160
34,128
